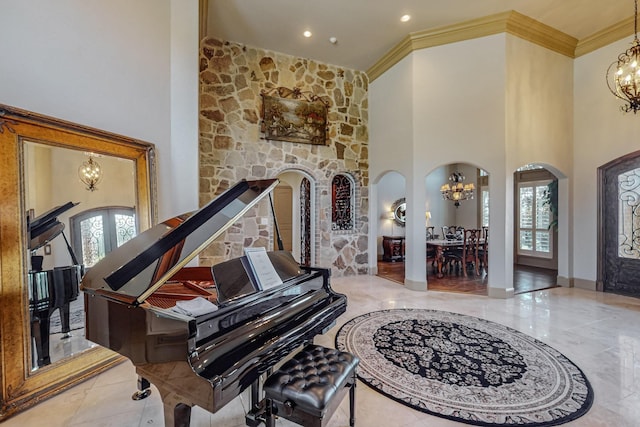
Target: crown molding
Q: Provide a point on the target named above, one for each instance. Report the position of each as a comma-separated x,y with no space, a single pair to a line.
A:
541,34
605,37
510,22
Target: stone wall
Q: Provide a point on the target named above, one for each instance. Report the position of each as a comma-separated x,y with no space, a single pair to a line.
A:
232,147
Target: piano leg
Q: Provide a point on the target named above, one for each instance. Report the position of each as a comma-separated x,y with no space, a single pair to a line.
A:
181,415
40,329
64,320
144,389
176,412
270,416
37,341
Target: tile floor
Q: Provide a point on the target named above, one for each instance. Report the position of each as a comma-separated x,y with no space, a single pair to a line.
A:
599,332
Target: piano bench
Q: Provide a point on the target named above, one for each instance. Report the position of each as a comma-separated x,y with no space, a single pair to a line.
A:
308,388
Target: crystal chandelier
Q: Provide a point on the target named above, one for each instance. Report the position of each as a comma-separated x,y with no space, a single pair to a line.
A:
457,190
90,173
623,75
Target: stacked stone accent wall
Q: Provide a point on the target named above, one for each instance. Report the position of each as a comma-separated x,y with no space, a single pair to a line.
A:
232,147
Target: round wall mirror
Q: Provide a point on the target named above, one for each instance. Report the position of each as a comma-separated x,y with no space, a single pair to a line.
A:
399,209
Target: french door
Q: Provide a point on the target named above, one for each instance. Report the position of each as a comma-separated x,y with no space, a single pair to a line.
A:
619,243
96,232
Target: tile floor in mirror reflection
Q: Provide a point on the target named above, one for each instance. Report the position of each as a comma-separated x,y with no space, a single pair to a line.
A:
599,332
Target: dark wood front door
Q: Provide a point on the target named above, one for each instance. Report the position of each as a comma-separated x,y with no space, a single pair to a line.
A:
619,266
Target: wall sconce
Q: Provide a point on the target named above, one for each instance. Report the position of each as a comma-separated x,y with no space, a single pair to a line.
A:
428,217
90,173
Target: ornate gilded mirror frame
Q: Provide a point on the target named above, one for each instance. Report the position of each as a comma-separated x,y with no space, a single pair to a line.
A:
399,209
21,386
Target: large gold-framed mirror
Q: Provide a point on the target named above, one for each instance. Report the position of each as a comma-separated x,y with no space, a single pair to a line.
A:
55,221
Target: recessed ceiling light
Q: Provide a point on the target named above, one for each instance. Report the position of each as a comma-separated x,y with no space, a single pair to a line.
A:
405,18
307,33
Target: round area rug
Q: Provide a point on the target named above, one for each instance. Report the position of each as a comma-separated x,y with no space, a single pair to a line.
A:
465,369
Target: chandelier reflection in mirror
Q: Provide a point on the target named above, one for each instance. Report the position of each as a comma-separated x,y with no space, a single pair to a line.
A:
457,190
623,75
90,173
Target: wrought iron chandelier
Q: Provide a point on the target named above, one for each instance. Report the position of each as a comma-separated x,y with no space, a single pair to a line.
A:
457,191
623,75
90,173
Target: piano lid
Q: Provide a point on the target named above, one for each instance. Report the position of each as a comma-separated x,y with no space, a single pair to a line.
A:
46,227
132,272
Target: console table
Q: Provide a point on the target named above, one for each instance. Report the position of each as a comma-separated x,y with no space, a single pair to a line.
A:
393,247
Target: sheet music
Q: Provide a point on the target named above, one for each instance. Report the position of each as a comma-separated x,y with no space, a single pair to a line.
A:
262,268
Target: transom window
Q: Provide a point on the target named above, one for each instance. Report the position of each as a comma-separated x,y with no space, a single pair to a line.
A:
97,232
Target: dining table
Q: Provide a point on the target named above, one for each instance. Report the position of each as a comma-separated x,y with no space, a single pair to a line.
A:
440,245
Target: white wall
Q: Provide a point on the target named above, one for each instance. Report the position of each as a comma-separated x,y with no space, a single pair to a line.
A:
495,103
390,137
539,113
459,114
108,65
391,120
602,133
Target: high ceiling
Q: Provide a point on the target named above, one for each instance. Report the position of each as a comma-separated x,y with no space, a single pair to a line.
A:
367,29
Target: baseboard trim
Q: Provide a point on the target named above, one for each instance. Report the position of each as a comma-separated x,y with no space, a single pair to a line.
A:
502,293
589,285
415,285
565,282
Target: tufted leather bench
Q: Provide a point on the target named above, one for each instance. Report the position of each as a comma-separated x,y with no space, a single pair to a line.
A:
308,388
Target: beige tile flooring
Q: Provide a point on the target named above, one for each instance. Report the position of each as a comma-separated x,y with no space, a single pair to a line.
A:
599,332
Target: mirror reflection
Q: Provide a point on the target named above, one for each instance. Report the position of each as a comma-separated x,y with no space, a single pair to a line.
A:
79,206
399,209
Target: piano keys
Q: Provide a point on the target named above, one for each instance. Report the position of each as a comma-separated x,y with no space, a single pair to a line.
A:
210,358
50,290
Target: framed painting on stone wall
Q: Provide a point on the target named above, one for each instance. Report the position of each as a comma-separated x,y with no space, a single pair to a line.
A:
294,116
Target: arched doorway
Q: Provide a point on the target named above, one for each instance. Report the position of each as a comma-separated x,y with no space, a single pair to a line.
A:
467,210
390,230
537,247
294,205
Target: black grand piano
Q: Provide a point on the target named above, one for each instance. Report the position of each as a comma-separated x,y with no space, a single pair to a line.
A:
208,357
53,289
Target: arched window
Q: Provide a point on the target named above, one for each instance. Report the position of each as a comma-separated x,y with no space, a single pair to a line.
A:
342,203
96,232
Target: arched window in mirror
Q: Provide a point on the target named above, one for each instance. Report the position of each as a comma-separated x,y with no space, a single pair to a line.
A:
342,202
96,232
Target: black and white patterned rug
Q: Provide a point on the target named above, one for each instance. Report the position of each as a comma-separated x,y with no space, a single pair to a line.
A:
465,369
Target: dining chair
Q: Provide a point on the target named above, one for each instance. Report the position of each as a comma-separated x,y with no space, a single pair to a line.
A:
452,232
432,254
466,255
483,249
430,232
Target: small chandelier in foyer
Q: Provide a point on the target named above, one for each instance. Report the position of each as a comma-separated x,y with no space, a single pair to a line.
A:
457,190
90,173
623,75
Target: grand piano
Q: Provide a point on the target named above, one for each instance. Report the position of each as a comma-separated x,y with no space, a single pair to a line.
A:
235,328
52,289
